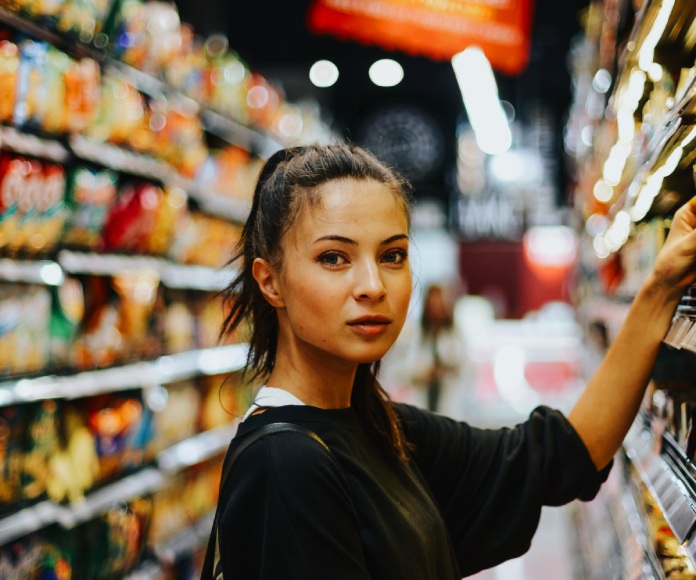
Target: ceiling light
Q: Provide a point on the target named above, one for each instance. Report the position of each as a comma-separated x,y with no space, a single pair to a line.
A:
323,73
386,73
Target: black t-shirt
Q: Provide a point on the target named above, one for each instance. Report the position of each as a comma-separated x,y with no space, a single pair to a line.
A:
467,500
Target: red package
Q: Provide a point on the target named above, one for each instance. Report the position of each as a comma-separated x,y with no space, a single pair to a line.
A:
133,218
32,211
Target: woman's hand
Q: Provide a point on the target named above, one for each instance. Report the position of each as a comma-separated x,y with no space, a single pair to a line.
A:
675,266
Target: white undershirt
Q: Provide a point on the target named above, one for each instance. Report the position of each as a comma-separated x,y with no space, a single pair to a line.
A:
272,397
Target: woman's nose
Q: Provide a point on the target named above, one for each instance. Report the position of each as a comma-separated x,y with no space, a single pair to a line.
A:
368,282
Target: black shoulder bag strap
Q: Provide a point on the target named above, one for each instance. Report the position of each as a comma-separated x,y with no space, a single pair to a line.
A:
212,569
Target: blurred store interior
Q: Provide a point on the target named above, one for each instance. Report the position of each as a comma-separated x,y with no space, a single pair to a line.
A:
548,144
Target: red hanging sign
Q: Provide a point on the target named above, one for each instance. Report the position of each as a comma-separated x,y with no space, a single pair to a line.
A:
435,28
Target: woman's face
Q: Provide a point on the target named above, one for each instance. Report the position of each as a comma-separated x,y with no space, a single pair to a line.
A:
346,280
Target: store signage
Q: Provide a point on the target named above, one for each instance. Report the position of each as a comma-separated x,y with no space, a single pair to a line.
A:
490,218
435,28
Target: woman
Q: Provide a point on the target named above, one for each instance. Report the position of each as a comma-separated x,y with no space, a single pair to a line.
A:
399,492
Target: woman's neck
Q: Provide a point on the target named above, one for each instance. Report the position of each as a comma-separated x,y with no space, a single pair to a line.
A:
316,381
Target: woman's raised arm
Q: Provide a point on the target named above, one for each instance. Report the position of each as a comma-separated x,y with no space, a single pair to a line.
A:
604,412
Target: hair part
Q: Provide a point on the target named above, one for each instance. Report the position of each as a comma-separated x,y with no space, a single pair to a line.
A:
289,184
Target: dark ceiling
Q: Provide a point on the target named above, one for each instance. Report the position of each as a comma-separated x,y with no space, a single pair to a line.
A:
272,37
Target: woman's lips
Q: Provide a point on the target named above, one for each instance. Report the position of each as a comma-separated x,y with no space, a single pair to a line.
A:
370,325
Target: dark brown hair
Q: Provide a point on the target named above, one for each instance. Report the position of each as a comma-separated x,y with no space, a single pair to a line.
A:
287,185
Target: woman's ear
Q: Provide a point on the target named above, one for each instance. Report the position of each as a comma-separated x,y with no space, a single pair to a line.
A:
267,279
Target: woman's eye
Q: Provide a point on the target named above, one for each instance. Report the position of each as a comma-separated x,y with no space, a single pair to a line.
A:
395,256
331,259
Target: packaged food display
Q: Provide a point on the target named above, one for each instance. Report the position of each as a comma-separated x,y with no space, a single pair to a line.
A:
120,314
67,314
204,240
74,467
32,96
120,117
115,422
131,223
9,77
170,515
112,544
225,398
32,211
82,18
40,445
179,321
40,555
12,425
90,195
178,418
24,323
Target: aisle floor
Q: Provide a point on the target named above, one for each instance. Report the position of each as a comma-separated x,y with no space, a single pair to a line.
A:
550,557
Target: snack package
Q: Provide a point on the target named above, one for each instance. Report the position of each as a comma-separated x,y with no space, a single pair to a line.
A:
67,313
43,223
112,544
204,240
40,444
137,315
120,321
24,320
178,418
179,138
120,116
179,321
98,342
188,497
32,94
114,422
39,555
11,433
89,197
10,314
83,18
32,210
225,399
133,218
18,176
209,318
32,342
74,467
74,89
173,205
9,79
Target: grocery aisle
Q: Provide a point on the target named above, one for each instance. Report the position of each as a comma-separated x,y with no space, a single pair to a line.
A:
552,556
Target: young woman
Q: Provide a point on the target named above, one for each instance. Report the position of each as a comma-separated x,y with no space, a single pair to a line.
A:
398,492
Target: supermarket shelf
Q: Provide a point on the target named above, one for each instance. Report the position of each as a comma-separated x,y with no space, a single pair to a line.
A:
120,159
675,498
27,521
166,369
47,513
28,144
142,483
172,275
196,449
40,32
232,131
44,272
250,138
637,526
186,541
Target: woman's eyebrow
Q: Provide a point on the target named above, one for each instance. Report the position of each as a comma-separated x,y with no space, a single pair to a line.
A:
344,240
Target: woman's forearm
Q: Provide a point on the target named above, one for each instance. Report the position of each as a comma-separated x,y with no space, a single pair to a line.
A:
604,412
